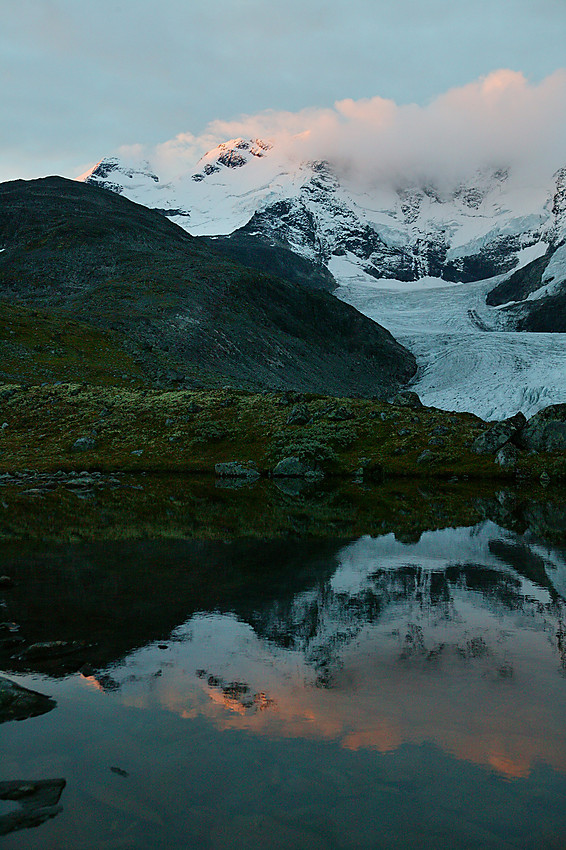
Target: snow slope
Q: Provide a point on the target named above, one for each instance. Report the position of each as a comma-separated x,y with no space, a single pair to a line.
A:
417,259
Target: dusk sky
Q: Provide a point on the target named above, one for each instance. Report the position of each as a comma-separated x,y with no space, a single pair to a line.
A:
83,79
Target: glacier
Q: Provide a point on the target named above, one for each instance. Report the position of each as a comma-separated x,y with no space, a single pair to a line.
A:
408,256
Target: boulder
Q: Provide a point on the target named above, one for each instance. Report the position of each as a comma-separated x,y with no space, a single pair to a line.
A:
407,398
293,467
341,414
299,415
83,444
18,703
546,430
508,455
426,457
235,469
498,435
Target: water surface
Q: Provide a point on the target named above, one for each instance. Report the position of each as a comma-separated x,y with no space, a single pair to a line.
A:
368,692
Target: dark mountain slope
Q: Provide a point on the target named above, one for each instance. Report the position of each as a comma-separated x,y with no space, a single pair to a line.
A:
543,314
87,254
273,257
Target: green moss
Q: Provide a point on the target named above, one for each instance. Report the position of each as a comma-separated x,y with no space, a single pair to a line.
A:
38,347
192,431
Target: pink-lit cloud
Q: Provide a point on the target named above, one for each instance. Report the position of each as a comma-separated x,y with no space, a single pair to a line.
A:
500,120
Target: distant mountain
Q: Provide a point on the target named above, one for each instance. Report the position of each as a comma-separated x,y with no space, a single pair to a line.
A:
259,205
183,310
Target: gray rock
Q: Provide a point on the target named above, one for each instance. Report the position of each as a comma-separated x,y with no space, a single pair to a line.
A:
546,430
299,415
403,432
235,469
436,441
508,455
498,435
293,467
407,398
83,444
426,457
50,649
37,803
341,414
18,703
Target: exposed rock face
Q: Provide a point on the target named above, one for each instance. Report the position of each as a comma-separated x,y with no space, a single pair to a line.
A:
89,254
18,703
546,430
499,435
520,284
537,293
314,210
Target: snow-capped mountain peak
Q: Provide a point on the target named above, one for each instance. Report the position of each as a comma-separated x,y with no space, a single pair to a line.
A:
232,154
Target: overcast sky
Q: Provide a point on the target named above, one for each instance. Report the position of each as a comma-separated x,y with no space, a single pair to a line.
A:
81,79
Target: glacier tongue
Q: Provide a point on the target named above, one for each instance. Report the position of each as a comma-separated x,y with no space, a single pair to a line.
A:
466,363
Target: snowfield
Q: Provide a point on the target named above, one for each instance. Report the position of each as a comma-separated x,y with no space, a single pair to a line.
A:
465,363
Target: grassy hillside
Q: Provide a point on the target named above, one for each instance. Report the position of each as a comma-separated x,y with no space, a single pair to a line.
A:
184,312
129,428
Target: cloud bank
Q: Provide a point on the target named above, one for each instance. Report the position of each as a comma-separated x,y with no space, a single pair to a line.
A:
500,120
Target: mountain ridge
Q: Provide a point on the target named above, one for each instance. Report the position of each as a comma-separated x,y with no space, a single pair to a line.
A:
93,256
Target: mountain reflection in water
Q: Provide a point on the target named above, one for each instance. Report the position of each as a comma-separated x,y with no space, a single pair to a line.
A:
275,687
447,640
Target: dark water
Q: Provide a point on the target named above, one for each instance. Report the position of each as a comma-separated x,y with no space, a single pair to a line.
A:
359,693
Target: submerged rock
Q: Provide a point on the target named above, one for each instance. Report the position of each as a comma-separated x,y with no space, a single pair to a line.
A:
18,703
293,467
50,649
38,802
498,435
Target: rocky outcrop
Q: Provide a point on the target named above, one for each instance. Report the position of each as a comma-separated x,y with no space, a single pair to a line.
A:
546,430
18,703
498,435
407,398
